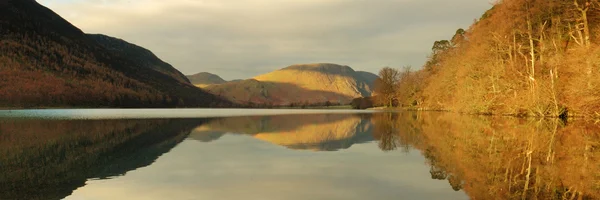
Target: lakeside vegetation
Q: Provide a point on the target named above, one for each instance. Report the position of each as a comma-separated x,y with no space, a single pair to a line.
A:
521,58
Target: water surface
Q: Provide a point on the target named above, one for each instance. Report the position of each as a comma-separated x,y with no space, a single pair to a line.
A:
322,155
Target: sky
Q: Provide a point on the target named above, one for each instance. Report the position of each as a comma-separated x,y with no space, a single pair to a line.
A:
239,39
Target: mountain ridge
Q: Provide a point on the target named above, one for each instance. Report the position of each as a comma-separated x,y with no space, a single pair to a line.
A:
203,79
139,54
45,61
312,83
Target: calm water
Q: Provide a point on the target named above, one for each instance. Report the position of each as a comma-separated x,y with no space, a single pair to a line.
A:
293,154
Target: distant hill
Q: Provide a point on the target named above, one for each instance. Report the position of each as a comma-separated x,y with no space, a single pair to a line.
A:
47,62
368,77
298,84
204,79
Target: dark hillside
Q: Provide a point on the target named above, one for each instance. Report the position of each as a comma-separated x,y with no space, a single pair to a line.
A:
138,54
47,62
205,79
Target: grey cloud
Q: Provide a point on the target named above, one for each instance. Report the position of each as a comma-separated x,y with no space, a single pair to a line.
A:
250,37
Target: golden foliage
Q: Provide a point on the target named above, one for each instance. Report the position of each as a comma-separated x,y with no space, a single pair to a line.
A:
535,58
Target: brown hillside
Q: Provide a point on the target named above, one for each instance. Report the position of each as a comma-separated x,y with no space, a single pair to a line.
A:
47,62
272,93
522,57
309,83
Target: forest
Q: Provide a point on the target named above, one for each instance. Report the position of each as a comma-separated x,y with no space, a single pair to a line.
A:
521,58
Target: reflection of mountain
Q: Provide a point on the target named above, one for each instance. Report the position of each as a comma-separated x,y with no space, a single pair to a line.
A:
50,159
206,136
327,132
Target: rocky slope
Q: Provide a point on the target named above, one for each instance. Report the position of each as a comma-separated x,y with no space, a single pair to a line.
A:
299,84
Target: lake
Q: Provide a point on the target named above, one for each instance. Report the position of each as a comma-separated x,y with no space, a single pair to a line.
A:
89,154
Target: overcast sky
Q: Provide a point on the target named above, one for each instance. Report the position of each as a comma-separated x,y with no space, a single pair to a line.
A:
244,38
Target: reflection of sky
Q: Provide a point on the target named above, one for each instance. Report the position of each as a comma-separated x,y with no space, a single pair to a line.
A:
241,167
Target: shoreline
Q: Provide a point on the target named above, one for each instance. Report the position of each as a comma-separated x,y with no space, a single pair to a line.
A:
515,115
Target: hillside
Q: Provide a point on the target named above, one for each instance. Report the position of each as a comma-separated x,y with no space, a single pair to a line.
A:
137,54
368,77
204,79
524,58
47,62
299,84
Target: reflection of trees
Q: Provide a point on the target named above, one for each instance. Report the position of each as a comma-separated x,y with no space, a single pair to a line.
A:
438,171
385,131
435,171
455,182
49,159
393,131
387,142
504,158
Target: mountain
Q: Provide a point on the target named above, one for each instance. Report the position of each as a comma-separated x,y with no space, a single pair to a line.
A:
367,77
299,84
204,79
47,62
138,54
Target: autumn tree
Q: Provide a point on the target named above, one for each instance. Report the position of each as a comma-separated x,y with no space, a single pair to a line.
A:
386,86
409,87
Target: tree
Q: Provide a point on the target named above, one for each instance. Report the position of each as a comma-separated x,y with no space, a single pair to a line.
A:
385,86
362,103
458,37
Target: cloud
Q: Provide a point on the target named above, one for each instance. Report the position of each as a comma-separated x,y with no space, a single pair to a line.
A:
244,38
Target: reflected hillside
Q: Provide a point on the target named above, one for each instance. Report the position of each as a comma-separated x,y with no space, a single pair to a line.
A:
48,159
328,132
502,158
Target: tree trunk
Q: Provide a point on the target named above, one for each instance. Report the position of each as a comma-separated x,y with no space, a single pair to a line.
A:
531,53
585,38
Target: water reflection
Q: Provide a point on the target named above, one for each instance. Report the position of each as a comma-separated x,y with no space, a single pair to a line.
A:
327,132
48,159
483,157
507,158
